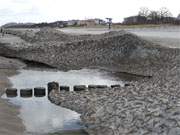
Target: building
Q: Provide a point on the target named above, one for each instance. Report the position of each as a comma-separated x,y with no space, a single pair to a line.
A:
99,21
178,17
72,22
135,20
91,22
170,20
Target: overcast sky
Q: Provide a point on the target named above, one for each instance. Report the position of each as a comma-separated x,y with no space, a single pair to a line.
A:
52,10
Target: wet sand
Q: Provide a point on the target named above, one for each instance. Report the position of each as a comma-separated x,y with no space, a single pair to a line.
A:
10,123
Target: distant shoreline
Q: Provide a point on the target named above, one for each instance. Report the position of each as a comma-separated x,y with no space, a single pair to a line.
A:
114,26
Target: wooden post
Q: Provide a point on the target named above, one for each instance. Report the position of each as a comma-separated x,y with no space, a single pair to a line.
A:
53,86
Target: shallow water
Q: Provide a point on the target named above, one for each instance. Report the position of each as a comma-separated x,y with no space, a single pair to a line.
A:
172,32
42,117
35,78
168,36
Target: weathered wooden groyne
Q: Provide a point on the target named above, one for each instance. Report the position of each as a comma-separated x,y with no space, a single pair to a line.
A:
42,91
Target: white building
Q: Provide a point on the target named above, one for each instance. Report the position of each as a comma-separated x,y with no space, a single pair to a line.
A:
72,22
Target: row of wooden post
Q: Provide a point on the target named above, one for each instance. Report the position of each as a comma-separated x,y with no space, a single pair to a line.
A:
38,92
41,91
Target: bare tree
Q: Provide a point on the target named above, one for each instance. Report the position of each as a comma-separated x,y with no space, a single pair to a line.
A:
144,11
154,16
164,12
163,15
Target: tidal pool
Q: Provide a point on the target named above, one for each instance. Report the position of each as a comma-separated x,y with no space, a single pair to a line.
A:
39,115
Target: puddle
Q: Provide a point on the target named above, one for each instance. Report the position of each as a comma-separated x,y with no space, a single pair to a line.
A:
42,117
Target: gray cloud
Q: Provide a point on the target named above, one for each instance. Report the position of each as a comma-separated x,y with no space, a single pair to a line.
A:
52,10
9,12
9,15
5,12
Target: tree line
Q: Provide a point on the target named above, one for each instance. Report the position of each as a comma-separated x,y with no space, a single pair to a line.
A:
163,15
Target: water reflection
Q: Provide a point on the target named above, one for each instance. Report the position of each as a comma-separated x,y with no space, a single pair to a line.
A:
38,114
41,116
35,78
